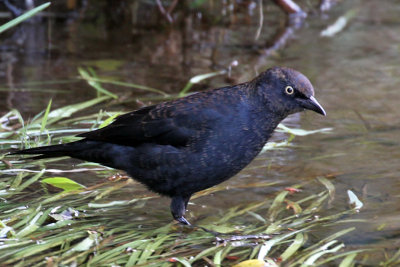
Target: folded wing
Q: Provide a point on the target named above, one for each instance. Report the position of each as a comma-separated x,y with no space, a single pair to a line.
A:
157,124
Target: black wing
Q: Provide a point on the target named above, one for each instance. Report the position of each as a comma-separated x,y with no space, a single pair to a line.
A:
164,124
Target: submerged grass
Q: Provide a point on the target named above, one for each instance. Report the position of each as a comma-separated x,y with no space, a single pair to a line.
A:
85,226
95,226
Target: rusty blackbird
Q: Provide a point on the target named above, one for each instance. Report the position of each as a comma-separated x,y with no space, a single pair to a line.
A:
186,145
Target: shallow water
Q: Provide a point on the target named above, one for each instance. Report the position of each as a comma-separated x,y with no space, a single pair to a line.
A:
355,73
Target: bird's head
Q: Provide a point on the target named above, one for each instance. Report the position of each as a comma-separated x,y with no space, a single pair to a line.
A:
287,91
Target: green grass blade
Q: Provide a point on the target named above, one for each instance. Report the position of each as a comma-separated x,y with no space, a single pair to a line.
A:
132,85
197,79
67,111
301,132
95,84
311,261
348,261
23,17
183,262
109,120
45,116
63,183
328,184
294,247
276,206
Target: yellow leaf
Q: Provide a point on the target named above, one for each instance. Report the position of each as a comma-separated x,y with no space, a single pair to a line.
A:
251,263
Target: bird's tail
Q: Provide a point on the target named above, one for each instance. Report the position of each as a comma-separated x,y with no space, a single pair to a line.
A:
107,154
62,150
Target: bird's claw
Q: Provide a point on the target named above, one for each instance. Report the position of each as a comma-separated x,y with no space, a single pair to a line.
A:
183,220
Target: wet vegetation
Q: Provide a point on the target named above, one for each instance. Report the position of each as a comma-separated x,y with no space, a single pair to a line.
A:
78,224
58,212
45,214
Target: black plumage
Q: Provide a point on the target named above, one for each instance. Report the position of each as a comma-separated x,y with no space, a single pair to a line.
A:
186,145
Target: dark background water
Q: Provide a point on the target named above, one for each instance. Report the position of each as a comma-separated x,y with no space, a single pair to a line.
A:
356,74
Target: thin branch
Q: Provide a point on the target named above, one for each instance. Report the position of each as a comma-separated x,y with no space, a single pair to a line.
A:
261,22
289,6
164,12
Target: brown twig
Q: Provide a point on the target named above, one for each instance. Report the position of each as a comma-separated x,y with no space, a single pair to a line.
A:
294,22
172,6
164,12
289,6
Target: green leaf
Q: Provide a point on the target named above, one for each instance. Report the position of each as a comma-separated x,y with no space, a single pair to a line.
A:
294,247
182,261
322,251
105,64
277,205
328,185
348,261
63,183
45,116
86,243
67,111
109,120
32,225
23,17
300,132
131,85
95,84
197,79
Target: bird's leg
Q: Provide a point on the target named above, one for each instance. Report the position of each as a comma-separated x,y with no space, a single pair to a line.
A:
178,208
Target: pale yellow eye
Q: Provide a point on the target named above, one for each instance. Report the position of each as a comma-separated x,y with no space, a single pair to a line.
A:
289,90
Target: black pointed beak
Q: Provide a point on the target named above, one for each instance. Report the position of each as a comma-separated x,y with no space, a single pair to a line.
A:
312,104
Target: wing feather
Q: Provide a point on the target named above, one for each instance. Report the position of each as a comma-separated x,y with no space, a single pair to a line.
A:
158,124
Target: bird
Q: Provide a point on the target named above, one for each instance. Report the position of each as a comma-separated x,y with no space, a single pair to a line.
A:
186,145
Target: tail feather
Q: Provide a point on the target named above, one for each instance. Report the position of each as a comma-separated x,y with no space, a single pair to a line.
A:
111,155
48,151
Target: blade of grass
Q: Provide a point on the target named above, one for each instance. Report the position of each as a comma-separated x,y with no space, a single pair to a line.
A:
328,184
15,256
199,78
276,206
348,261
44,119
311,261
96,85
266,247
132,85
23,17
300,132
63,183
109,120
151,247
67,111
30,181
182,261
205,252
294,247
348,255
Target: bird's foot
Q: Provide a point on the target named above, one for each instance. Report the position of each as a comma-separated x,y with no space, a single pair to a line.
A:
178,209
183,220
